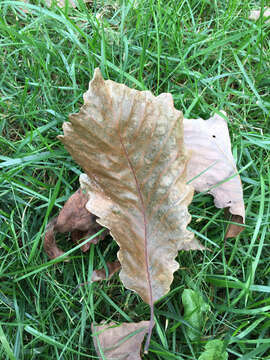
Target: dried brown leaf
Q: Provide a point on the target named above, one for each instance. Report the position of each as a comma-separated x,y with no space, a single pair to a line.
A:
49,244
118,342
99,275
212,163
130,145
74,218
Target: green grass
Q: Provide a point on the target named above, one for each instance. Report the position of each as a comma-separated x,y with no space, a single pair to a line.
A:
209,56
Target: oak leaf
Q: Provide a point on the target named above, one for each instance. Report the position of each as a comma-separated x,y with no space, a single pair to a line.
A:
130,145
212,168
120,342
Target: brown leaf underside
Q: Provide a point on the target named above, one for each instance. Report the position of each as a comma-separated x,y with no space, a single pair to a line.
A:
113,343
212,163
74,218
101,274
130,145
112,267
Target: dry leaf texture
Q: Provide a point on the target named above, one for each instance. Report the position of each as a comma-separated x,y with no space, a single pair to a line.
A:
60,3
74,218
130,144
255,14
99,275
119,342
212,163
112,267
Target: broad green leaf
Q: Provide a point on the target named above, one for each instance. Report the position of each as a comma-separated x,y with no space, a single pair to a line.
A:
214,350
195,309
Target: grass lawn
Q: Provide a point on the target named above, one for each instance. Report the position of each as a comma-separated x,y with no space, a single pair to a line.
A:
209,55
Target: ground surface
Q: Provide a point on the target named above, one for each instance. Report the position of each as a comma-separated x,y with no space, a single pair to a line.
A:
209,56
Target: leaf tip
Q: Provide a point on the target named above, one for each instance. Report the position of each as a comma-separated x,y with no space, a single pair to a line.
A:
97,78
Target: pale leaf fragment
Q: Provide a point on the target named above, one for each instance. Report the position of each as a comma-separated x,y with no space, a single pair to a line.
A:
102,274
212,165
255,14
112,267
130,144
60,3
120,342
